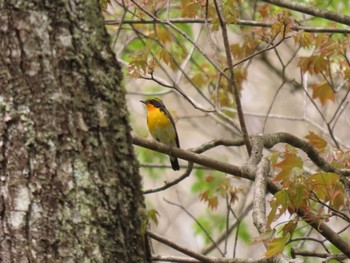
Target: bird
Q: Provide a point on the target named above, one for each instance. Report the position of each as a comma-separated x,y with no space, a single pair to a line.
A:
162,127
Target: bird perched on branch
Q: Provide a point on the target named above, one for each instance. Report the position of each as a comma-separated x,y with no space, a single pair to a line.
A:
161,126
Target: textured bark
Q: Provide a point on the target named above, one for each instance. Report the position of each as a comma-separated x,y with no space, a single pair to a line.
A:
70,188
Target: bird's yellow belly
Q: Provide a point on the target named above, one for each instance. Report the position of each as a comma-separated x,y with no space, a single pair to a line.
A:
161,127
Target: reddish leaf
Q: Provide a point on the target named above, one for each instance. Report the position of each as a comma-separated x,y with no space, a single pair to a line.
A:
289,227
318,142
342,159
189,8
211,200
323,92
328,46
313,64
304,39
237,51
138,64
241,74
338,198
291,161
264,10
167,58
199,79
163,35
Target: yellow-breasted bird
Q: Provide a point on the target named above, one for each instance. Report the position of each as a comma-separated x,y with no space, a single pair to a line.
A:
161,126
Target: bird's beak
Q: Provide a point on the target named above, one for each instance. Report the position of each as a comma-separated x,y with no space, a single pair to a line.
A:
144,102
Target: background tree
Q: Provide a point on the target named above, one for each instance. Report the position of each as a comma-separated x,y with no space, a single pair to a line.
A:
262,88
70,189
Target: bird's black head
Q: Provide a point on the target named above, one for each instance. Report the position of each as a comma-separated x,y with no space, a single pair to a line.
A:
155,102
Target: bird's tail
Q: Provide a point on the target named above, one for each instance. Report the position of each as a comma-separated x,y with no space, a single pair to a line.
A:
174,163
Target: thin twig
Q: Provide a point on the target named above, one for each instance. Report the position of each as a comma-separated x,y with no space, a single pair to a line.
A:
200,257
311,10
232,77
199,225
231,228
172,183
239,22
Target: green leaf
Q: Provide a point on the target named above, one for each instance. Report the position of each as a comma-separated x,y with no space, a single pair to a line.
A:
243,233
283,199
152,215
148,156
273,212
300,196
323,184
230,11
215,24
104,4
276,246
211,223
206,225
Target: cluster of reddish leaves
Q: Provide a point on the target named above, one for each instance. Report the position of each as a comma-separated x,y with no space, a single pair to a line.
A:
337,157
217,186
326,62
316,194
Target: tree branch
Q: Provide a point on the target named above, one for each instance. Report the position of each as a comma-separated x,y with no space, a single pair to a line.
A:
328,256
172,183
239,22
192,157
248,171
311,10
259,206
271,140
223,235
174,259
199,225
200,257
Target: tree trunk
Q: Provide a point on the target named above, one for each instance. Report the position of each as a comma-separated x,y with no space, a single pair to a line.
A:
70,188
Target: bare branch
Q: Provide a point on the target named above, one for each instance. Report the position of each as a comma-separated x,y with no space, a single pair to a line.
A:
239,22
259,207
311,10
192,157
231,228
199,225
282,137
174,259
200,257
328,256
170,184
